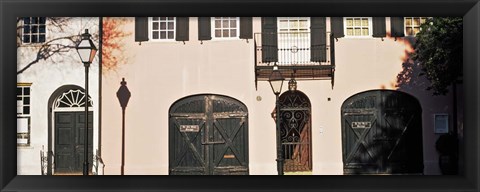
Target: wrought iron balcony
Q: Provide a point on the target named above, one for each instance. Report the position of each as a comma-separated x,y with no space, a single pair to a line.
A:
296,54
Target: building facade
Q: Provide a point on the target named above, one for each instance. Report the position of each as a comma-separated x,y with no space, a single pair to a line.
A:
201,102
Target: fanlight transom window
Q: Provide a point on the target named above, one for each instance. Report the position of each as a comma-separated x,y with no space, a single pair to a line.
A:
71,99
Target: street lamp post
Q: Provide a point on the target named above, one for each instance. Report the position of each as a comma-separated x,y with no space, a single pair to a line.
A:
276,82
86,50
123,95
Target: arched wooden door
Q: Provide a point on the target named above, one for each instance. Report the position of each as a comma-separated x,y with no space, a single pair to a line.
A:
382,133
69,128
208,135
295,131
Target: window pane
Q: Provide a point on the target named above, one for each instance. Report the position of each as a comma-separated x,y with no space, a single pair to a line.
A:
218,24
155,26
26,100
365,22
19,91
416,21
155,18
34,39
349,22
41,38
409,31
26,29
42,29
225,33
233,24
218,33
26,38
26,20
422,20
170,35
349,31
163,35
408,21
163,25
283,24
34,20
416,30
357,31
365,31
170,25
170,18
26,91
34,29
357,22
233,32
163,18
42,20
155,35
26,110
225,24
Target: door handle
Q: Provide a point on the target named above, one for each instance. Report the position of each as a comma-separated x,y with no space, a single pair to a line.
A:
211,142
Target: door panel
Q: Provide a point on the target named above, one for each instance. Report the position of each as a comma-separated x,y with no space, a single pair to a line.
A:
382,133
69,147
208,135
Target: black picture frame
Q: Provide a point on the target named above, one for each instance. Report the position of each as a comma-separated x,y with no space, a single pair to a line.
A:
10,9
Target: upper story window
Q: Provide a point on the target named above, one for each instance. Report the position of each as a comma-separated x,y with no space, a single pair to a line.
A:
225,27
162,28
33,30
358,26
23,114
293,24
412,25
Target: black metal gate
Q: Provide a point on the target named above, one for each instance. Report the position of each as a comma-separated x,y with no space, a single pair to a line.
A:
382,133
208,135
295,126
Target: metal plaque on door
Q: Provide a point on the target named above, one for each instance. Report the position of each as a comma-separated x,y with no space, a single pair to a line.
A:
189,128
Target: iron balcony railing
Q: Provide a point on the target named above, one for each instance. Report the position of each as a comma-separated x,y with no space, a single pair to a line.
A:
296,54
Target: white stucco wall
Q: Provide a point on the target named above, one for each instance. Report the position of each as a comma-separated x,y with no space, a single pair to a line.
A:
48,75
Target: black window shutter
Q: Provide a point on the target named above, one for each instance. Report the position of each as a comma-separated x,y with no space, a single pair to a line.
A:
397,26
141,29
269,39
336,24
379,27
181,31
318,39
204,30
246,28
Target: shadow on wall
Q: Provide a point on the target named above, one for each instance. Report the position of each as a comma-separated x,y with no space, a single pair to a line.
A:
391,145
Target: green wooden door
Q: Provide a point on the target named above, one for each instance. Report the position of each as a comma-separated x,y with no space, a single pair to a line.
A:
208,136
69,141
382,133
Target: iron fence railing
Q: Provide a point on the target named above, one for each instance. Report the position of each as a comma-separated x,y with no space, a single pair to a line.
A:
291,48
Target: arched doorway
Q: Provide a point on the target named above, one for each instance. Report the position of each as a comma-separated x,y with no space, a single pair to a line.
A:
382,133
295,129
66,130
208,135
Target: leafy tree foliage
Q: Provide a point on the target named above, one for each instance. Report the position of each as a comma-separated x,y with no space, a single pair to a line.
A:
439,50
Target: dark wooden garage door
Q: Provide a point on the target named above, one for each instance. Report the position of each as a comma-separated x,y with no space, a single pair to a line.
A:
382,133
208,135
69,141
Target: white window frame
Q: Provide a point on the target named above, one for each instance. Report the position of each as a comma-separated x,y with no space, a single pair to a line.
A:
22,115
213,28
151,30
412,25
370,28
298,37
22,32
